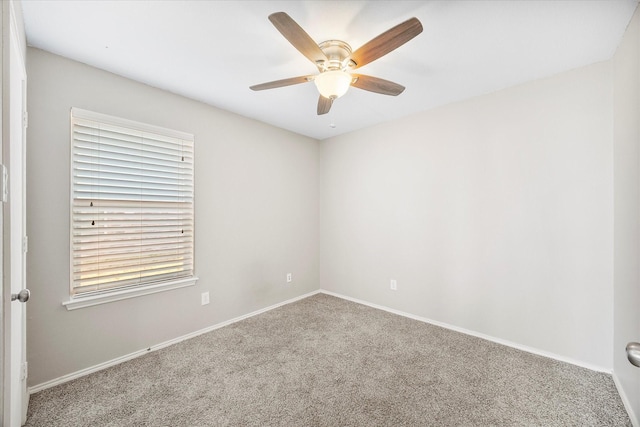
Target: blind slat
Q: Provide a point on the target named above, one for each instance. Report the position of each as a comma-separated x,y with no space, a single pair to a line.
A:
99,267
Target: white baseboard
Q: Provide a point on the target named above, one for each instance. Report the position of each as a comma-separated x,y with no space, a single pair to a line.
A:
635,420
475,334
113,362
72,376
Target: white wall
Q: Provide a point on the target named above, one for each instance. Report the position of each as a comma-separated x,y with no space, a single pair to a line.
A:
627,213
256,219
493,214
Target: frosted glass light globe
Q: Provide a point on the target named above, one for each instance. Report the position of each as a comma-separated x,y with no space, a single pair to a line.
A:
333,84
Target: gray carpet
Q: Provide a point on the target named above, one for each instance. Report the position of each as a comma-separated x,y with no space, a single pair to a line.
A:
323,361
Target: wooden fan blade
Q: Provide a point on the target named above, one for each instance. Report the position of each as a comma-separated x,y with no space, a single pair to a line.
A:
386,42
281,83
297,37
374,84
324,105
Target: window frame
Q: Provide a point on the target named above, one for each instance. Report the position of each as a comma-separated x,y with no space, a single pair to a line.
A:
125,291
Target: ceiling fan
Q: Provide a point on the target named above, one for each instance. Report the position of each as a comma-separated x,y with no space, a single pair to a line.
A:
335,60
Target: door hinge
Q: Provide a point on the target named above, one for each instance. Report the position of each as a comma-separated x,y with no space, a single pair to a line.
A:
4,184
25,371
25,244
25,119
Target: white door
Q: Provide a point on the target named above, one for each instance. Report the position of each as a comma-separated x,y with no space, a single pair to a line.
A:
628,315
15,398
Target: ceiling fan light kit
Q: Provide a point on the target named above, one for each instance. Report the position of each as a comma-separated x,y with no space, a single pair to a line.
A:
335,60
333,84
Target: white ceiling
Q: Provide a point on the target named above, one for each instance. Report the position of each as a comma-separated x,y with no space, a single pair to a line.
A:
212,51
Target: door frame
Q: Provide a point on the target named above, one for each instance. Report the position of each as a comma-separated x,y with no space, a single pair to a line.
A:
14,400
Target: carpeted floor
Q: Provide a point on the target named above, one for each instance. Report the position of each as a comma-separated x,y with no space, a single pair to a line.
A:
324,361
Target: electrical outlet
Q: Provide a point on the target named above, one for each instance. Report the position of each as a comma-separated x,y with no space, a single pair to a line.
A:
289,278
394,285
205,298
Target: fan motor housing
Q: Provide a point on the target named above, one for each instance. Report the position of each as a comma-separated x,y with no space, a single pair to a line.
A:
338,53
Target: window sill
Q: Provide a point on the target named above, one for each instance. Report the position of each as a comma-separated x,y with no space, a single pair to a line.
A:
88,301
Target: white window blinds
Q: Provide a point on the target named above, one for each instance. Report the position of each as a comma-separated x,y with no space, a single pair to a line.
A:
132,204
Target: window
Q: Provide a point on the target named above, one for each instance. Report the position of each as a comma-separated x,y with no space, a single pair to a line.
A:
132,203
